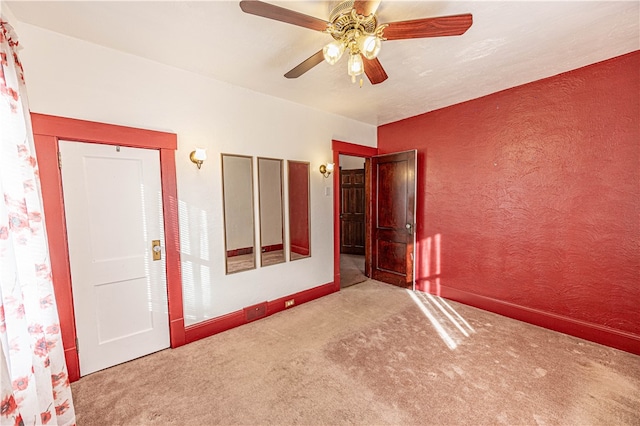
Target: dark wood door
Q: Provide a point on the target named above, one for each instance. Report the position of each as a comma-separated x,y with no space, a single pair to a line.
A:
393,189
352,208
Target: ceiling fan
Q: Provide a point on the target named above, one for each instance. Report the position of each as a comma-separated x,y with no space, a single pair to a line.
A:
355,29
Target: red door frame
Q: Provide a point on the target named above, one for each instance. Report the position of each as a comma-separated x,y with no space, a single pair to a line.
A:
343,148
48,130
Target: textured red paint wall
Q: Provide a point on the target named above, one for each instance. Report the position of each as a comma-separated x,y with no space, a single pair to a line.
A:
531,196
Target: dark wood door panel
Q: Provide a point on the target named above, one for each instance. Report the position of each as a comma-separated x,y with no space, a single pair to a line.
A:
352,211
392,194
358,178
392,224
353,202
353,234
391,257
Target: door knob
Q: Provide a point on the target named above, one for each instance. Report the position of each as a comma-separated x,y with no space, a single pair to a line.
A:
156,250
408,226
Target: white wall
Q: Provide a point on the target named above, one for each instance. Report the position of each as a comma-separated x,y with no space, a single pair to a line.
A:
73,78
7,15
349,162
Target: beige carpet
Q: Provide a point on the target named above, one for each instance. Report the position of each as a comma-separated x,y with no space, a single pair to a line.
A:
371,354
351,270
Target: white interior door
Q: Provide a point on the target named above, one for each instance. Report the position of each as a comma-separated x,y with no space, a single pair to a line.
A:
113,209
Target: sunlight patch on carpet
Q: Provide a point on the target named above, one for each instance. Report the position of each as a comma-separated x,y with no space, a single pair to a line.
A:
443,317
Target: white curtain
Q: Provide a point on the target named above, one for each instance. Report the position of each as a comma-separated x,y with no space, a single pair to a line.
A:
35,386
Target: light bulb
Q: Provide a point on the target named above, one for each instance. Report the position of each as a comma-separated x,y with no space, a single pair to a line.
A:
200,154
332,52
369,46
355,66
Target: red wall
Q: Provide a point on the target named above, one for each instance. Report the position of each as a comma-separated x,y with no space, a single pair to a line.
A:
529,201
299,207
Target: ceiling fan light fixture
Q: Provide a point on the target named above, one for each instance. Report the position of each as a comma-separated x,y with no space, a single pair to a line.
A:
369,46
333,51
354,26
355,66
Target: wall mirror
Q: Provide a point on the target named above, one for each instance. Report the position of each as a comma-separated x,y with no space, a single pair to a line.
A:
299,227
237,199
270,206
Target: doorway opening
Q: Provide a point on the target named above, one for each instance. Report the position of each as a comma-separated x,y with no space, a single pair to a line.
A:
389,212
347,156
352,220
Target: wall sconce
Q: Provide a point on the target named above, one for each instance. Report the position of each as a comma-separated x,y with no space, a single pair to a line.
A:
198,156
326,169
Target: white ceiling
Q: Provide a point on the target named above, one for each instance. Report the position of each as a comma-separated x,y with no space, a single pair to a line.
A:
510,43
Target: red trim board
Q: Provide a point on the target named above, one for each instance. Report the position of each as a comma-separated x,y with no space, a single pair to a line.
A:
234,319
273,247
304,251
593,332
109,134
47,155
239,251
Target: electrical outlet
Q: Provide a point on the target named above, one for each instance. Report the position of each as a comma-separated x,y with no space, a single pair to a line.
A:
289,303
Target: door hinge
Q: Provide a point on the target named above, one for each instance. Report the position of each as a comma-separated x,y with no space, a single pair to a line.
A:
59,160
77,346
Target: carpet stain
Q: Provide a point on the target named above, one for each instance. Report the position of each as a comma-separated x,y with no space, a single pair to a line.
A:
458,370
540,372
448,373
513,354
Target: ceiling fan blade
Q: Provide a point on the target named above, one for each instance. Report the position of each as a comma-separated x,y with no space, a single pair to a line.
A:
374,71
278,13
306,65
429,27
366,7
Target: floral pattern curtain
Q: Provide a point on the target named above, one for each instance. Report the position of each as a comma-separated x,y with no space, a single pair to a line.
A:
35,386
